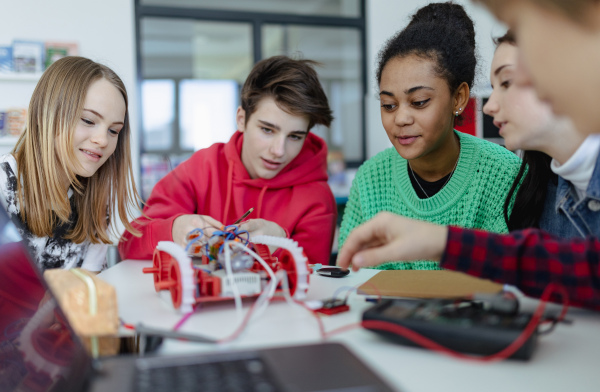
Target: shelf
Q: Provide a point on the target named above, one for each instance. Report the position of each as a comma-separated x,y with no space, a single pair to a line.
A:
20,77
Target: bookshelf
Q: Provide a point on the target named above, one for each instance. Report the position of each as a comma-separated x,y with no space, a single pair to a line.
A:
17,89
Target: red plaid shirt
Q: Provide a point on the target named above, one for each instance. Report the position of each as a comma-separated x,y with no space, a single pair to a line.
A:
529,259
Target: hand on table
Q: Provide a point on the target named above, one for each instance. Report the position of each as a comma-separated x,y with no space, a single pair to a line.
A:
183,224
391,237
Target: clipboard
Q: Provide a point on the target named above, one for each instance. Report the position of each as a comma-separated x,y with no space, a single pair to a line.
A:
426,284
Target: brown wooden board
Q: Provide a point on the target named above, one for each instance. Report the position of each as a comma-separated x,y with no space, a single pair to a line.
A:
426,284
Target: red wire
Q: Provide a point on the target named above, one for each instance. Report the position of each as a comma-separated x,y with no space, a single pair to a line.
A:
126,325
317,316
182,320
241,327
246,319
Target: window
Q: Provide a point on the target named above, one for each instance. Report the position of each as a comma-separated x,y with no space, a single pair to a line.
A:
195,55
158,113
344,8
340,75
205,108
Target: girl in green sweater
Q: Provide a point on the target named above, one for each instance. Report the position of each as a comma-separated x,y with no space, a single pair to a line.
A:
433,172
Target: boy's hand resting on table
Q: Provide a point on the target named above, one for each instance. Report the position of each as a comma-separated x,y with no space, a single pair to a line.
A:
391,237
183,224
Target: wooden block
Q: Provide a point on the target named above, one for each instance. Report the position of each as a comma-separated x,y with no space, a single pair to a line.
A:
426,284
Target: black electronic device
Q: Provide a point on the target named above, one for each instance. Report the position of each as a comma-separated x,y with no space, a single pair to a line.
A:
333,272
464,326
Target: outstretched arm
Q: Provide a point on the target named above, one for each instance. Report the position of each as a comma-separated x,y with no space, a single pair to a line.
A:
390,237
529,259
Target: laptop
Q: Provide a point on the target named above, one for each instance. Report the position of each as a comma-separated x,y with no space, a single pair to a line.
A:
40,352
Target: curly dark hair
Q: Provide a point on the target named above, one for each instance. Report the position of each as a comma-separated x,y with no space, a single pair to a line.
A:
442,32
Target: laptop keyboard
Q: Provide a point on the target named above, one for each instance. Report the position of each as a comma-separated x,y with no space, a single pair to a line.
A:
244,375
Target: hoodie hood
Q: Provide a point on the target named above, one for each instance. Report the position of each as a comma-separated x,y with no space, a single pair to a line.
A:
309,166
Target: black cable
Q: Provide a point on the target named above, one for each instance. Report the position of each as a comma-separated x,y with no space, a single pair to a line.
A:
168,334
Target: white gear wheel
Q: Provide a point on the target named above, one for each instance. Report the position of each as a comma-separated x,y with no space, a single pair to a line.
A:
188,285
43,317
299,259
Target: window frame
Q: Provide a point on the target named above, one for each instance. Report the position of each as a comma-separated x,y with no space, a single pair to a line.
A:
256,20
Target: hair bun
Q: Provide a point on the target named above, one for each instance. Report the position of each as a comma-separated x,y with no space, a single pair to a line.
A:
441,32
447,16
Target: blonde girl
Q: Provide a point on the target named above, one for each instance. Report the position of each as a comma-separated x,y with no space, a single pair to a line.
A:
69,175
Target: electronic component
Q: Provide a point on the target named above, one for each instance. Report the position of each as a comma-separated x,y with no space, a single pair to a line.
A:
333,306
248,283
333,272
465,326
197,273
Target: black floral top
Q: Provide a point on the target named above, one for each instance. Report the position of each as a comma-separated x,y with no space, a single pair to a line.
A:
54,251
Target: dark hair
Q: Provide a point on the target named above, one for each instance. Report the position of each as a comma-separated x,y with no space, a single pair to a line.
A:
293,84
534,176
442,32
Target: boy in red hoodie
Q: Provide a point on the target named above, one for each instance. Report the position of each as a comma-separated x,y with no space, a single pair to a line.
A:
272,164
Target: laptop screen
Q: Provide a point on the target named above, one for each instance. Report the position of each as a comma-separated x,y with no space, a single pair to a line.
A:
38,349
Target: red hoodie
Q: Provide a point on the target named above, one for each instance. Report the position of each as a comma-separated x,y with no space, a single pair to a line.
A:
215,182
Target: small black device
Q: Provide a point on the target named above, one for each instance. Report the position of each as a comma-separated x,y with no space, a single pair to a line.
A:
465,326
333,272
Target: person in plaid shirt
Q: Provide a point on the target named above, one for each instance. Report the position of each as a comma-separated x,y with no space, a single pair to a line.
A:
529,259
556,39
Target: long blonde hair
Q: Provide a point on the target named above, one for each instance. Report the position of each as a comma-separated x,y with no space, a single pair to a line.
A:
45,159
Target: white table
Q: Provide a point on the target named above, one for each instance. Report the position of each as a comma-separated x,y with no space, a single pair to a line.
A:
566,360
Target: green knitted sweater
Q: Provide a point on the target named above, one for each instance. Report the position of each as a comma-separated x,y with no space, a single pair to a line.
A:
473,198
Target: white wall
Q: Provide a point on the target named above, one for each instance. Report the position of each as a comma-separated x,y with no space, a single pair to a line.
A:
103,29
384,18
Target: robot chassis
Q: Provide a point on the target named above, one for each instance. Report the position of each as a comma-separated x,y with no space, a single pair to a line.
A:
203,272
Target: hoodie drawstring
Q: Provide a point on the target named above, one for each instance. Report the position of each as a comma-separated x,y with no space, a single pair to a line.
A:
260,200
229,185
